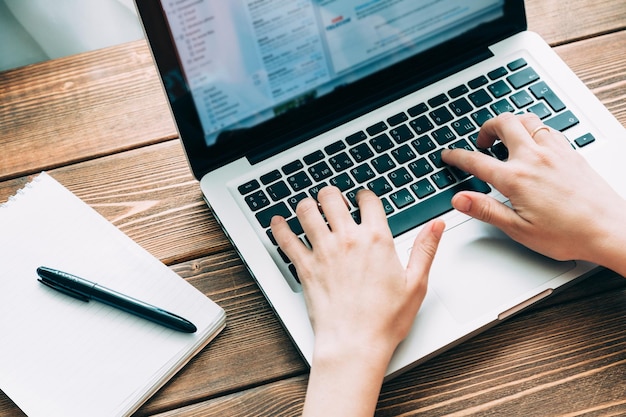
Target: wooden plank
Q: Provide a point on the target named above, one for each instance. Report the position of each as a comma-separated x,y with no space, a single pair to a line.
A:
601,64
566,359
558,22
80,107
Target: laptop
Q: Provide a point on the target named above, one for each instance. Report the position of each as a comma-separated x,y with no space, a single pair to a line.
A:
274,100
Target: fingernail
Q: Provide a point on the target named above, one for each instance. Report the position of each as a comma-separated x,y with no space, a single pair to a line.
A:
462,203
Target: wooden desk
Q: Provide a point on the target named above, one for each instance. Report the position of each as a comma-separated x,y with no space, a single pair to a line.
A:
100,124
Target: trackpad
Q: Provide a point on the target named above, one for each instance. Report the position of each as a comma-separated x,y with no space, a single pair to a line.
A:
478,268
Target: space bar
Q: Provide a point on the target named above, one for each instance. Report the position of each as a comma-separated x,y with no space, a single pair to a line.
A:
428,209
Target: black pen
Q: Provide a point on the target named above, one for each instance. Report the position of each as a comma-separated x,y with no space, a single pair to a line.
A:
85,290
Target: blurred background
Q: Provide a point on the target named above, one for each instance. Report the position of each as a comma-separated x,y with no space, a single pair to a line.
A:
37,30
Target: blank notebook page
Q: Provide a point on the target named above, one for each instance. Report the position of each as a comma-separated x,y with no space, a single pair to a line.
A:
60,356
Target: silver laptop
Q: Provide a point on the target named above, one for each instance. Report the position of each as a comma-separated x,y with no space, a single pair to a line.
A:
274,100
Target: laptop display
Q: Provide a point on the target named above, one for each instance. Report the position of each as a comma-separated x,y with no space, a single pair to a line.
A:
254,78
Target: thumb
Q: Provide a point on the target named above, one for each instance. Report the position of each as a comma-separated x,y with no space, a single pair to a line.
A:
423,254
485,208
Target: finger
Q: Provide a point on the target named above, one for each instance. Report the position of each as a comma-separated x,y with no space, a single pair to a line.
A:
508,128
423,254
542,134
372,211
487,209
334,207
311,219
485,167
287,240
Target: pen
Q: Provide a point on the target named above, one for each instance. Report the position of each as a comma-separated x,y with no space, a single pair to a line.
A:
85,290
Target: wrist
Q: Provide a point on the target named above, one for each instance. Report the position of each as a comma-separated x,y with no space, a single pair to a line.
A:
608,245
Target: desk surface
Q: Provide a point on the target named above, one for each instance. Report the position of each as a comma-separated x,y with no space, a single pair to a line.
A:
99,123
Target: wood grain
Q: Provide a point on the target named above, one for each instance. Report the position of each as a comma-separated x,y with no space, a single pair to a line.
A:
80,107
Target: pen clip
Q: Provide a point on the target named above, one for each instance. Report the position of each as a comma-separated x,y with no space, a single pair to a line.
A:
64,290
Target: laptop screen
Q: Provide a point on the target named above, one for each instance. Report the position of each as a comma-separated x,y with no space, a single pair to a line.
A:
251,77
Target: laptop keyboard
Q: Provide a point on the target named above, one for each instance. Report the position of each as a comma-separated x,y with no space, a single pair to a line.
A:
399,158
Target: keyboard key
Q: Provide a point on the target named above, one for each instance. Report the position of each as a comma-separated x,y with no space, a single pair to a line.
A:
521,99
402,198
435,158
403,154
417,110
480,98
441,115
500,151
502,106
381,143
376,128
248,187
458,91
420,167
313,157
342,181
497,73
437,100
271,177
522,78
265,216
396,119
257,200
295,199
563,121
499,89
478,82
430,208
362,173
334,147
313,191
481,116
400,177
278,191
351,195
387,206
541,91
463,126
443,178
292,167
461,106
423,188
380,186
423,145
461,144
361,152
356,138
299,181
295,226
294,272
541,110
340,162
383,163
421,125
401,134
443,135
320,171
517,64
584,140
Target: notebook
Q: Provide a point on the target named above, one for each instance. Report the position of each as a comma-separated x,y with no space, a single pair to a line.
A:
276,99
60,356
